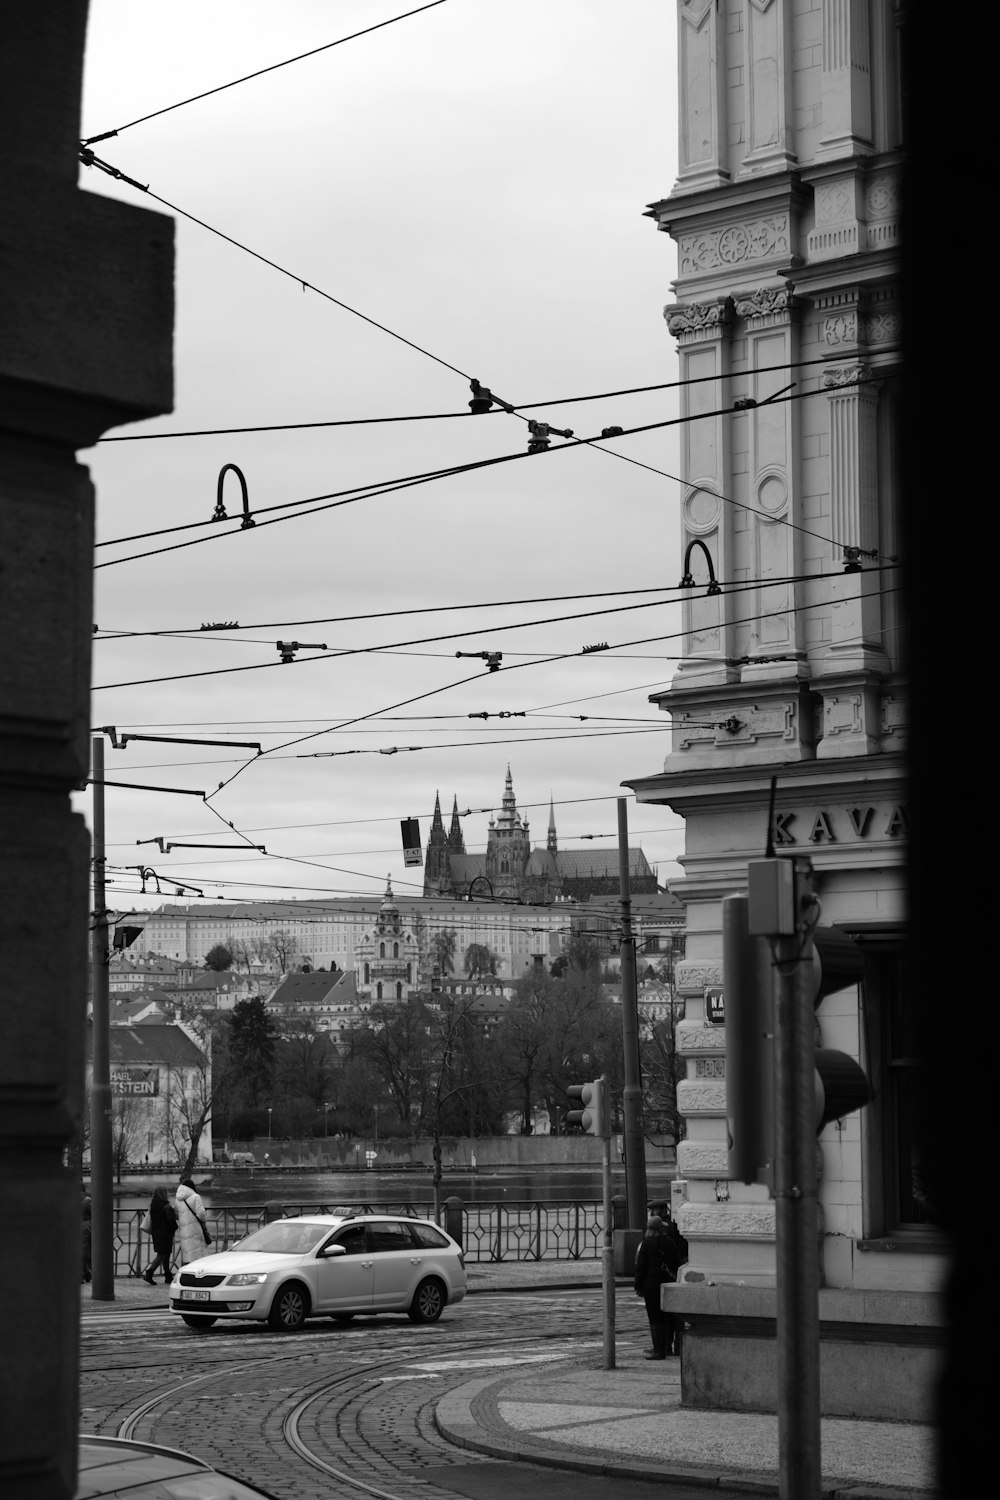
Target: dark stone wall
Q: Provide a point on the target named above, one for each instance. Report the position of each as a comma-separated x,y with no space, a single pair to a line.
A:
86,319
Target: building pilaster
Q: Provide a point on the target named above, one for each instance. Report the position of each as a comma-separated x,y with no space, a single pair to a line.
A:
702,330
849,673
770,317
702,124
767,68
847,105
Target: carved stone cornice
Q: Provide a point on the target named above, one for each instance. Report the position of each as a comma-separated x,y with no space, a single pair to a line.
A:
847,375
697,321
767,305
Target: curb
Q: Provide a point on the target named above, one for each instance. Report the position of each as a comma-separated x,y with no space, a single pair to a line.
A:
455,1420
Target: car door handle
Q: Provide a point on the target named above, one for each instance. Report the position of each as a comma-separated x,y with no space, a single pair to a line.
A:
415,1260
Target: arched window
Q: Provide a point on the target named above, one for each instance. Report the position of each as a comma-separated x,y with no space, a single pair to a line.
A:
409,973
399,991
381,950
378,992
395,950
368,974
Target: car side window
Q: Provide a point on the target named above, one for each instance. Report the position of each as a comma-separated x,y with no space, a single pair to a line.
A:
352,1239
428,1238
390,1234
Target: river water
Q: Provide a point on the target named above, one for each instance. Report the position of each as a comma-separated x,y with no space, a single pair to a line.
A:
231,1188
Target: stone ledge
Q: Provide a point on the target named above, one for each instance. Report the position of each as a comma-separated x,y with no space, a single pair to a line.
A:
836,1305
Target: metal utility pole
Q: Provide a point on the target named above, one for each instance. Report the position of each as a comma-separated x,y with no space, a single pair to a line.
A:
101,1200
796,1205
607,1253
635,1144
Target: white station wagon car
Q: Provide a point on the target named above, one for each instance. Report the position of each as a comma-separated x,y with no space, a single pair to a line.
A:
319,1265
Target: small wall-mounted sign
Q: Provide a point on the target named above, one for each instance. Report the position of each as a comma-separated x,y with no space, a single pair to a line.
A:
715,1005
410,828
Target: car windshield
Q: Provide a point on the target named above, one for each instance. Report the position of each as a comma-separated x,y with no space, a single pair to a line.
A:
285,1237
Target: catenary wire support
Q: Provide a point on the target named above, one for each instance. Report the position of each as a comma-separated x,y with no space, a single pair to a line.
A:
219,514
687,582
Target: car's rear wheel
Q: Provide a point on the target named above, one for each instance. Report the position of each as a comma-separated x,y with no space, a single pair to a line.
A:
200,1325
428,1301
289,1308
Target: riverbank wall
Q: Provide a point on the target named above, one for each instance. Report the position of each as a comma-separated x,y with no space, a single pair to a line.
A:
458,1154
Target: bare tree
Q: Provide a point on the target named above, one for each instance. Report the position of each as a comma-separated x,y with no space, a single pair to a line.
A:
129,1115
281,947
188,1109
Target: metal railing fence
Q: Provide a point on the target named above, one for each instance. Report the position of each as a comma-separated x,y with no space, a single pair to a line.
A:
516,1231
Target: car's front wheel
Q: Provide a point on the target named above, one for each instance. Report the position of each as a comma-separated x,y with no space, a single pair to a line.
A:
200,1325
289,1308
428,1301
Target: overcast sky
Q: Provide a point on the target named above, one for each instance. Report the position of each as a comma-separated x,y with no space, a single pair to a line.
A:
472,177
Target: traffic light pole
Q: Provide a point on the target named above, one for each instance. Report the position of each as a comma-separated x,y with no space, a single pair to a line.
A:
796,1206
607,1253
635,1144
101,1197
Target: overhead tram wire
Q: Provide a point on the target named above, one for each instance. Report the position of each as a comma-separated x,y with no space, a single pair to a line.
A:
447,687
388,614
472,631
89,159
396,817
515,407
334,500
259,73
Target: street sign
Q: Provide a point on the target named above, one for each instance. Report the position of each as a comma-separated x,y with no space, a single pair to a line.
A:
715,1005
410,828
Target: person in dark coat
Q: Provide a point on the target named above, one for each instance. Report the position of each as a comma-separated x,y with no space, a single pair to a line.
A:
656,1262
162,1228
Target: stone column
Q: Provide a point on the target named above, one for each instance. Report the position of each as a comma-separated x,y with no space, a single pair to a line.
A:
702,330
701,105
86,317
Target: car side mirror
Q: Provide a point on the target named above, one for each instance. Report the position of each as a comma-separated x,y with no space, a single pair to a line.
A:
329,1251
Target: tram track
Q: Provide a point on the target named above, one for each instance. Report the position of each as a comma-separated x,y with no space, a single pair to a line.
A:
299,1419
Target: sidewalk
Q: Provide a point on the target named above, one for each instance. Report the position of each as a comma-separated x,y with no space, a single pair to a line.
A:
629,1422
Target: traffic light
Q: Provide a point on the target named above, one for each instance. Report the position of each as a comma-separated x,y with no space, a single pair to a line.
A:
775,912
748,996
593,1115
841,1085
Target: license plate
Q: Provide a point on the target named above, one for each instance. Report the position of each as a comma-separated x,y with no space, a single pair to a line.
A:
188,1294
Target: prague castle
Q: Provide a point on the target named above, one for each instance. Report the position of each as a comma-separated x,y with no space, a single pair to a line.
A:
512,871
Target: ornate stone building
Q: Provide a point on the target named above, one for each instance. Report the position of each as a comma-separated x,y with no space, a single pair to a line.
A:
786,220
388,956
511,870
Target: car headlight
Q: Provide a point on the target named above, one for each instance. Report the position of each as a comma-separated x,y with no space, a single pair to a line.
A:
247,1278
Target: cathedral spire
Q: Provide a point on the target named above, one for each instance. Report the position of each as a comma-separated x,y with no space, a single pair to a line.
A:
456,839
437,822
550,843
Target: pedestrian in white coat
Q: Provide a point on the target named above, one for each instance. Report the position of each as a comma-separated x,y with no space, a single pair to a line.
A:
192,1223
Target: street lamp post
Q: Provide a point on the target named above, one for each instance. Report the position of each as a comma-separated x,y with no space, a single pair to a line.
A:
269,1124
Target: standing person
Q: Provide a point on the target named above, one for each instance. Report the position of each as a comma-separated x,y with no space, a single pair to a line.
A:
680,1244
192,1224
656,1262
85,1212
161,1225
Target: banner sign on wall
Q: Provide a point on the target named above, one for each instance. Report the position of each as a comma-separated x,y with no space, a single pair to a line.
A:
135,1081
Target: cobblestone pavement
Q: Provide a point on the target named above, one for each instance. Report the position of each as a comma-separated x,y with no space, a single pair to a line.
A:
451,1408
